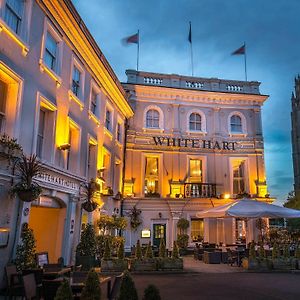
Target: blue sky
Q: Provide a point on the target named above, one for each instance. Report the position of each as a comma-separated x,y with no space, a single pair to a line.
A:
269,28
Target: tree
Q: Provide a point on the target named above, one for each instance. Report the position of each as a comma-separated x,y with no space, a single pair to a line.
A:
128,290
149,252
121,250
107,251
175,252
25,255
162,248
138,251
64,292
151,293
87,244
91,290
293,202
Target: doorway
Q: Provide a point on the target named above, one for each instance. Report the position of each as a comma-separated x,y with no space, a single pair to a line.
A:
47,224
159,231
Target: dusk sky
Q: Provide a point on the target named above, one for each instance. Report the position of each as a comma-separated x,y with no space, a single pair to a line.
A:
270,29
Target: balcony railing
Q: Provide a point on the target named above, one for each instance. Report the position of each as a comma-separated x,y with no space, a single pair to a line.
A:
200,190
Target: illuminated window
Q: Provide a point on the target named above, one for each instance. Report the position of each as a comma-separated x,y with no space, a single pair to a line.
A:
40,135
94,97
240,230
73,152
238,177
151,176
236,124
50,57
76,81
196,170
14,10
106,165
3,95
152,118
197,230
91,162
195,122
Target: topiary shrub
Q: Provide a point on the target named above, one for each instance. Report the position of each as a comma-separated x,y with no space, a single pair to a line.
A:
91,290
64,292
286,251
175,252
261,252
182,240
128,290
252,253
162,248
138,251
107,251
275,251
151,293
25,255
121,250
87,244
149,252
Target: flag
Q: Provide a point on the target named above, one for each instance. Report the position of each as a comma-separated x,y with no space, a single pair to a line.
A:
190,33
241,50
133,39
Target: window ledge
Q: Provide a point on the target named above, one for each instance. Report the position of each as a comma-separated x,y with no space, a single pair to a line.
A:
50,72
191,132
5,28
94,118
73,97
108,133
119,144
145,129
237,134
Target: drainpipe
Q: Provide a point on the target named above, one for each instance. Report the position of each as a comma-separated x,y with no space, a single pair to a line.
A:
124,164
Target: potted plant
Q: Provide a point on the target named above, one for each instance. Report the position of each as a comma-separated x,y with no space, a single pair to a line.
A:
127,289
86,249
135,220
25,255
251,263
182,237
92,289
27,189
174,262
146,263
88,193
64,292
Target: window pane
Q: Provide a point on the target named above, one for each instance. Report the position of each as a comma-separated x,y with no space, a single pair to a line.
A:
107,120
196,168
195,122
151,166
236,124
197,230
13,14
76,81
152,118
40,137
93,102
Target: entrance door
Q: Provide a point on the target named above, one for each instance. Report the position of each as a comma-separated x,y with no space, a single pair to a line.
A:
159,231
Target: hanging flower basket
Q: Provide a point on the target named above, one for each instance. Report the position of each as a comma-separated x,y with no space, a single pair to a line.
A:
27,194
89,206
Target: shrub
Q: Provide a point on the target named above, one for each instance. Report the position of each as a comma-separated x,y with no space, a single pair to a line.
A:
25,256
183,224
138,251
275,251
87,244
64,292
151,293
91,290
162,248
107,251
149,252
175,252
182,241
297,252
286,251
261,252
121,250
128,290
252,253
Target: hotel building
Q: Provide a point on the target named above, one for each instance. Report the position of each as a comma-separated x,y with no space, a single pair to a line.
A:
61,100
192,144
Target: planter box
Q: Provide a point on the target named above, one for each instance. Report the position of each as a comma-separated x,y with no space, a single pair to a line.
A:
256,264
114,265
170,263
87,262
284,264
146,264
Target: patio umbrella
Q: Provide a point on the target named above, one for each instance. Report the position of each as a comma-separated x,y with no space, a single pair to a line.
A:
249,208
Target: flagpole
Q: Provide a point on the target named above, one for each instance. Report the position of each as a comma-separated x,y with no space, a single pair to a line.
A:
245,58
138,51
192,61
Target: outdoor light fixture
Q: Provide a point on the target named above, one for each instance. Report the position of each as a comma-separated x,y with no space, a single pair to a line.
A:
226,196
63,147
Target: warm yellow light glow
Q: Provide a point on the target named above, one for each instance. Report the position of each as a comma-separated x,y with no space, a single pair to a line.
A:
76,100
52,75
226,196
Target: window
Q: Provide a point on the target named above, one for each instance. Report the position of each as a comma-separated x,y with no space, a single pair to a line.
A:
195,170
236,124
197,230
50,57
151,176
40,134
240,230
13,14
239,177
91,162
94,97
76,81
106,166
195,122
3,95
119,133
73,152
152,118
108,119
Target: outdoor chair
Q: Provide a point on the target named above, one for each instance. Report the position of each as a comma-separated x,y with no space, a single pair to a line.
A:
52,267
232,257
115,290
212,257
14,281
30,287
50,288
79,276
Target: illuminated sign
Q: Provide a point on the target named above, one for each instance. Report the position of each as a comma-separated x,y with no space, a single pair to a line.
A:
146,233
194,143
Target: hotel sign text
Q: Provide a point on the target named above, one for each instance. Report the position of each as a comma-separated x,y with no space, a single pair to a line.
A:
194,143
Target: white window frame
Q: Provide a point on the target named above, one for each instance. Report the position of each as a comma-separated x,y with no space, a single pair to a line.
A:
42,101
244,124
93,141
121,123
23,36
160,122
54,74
109,131
203,122
247,183
204,165
95,116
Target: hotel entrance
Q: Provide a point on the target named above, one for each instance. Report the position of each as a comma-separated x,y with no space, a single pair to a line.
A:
47,219
159,231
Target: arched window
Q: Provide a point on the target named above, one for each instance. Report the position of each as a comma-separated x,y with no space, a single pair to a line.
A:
152,118
236,124
195,122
